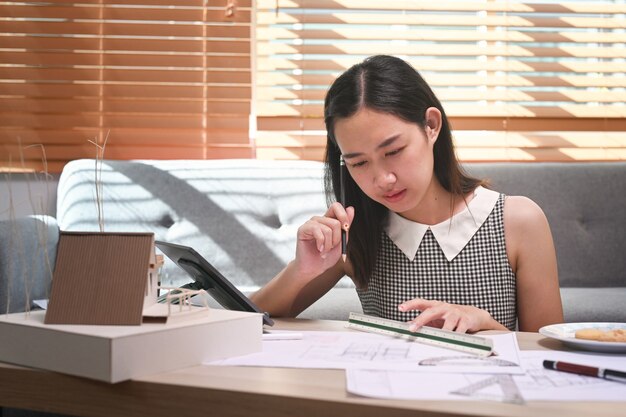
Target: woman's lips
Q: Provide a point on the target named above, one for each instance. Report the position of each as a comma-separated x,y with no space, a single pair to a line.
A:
394,196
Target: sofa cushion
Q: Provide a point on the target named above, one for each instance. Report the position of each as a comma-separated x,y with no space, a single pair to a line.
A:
242,215
27,259
336,304
585,204
594,304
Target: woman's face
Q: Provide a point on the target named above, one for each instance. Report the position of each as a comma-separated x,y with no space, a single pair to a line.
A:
391,160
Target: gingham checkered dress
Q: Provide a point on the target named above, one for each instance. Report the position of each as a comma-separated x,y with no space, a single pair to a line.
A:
480,275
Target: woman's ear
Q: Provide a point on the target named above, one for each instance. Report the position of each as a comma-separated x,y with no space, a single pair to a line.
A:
433,123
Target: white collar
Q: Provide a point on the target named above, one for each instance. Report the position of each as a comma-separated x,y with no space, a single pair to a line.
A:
452,234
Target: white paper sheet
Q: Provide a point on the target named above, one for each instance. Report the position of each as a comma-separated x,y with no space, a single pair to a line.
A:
536,384
343,350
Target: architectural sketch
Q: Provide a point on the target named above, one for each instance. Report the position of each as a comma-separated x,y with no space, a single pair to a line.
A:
506,389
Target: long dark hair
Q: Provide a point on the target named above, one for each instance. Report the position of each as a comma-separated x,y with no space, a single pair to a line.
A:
390,85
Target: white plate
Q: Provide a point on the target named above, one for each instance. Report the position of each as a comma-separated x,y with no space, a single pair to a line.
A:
565,333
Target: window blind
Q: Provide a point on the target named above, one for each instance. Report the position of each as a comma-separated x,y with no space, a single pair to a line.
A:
160,79
520,80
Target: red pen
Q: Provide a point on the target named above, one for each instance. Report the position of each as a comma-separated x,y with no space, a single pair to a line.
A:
609,374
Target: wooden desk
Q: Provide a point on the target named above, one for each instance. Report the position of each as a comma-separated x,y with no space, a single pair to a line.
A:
247,391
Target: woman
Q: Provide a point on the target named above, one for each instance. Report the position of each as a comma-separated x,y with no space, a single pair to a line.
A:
427,243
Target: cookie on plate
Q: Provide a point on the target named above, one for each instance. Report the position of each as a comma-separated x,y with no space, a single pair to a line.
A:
617,335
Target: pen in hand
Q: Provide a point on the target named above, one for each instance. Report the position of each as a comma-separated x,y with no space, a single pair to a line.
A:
342,200
609,374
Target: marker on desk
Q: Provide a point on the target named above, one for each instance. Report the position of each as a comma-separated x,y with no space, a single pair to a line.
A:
342,200
609,374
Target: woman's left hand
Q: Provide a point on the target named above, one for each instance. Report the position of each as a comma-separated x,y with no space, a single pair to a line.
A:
453,317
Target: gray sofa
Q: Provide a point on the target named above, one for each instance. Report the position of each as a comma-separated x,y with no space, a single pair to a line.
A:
242,215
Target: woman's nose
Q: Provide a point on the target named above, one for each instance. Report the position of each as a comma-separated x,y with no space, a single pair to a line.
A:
385,179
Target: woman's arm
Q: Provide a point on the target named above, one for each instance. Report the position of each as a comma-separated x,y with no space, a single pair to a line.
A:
290,293
315,270
532,256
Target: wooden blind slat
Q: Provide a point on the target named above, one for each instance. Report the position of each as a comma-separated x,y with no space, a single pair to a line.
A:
103,12
120,136
434,79
90,105
133,91
402,48
340,64
67,59
147,4
432,20
446,35
144,76
56,153
125,29
470,110
125,120
446,93
226,47
444,6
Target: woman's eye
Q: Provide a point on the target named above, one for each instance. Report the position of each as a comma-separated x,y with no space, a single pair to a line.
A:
358,164
394,152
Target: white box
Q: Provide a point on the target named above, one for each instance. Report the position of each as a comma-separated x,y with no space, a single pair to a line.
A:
117,353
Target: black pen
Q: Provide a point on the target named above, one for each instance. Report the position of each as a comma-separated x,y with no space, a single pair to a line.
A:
610,374
342,200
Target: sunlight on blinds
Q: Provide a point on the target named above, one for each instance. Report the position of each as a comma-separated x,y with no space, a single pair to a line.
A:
544,80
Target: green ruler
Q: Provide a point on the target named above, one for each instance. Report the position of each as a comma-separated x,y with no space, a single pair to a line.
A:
429,335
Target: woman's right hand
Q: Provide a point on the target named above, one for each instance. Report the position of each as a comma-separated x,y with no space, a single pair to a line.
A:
318,244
